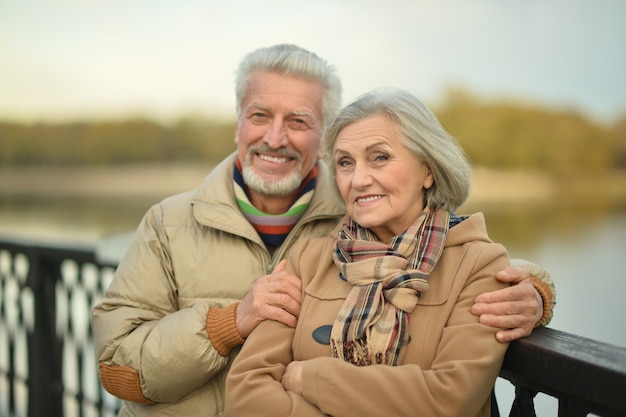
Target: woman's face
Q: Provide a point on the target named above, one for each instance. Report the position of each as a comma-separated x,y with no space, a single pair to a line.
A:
381,181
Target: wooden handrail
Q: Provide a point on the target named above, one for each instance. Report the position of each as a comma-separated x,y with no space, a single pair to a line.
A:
585,375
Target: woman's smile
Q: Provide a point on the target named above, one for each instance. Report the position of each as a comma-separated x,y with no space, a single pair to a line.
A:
367,199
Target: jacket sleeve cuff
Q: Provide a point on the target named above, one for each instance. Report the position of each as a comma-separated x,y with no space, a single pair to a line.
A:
222,330
123,382
548,300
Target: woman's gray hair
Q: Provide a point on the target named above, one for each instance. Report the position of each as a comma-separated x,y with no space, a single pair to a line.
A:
294,61
421,132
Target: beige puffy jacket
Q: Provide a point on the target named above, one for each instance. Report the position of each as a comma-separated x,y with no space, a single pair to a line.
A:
192,253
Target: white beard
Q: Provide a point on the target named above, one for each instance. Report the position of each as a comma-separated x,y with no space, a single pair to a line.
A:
278,187
271,187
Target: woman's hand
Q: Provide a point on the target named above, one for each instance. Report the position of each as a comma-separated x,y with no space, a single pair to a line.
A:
292,378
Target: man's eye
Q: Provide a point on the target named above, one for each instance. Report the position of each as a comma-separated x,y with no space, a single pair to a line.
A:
298,124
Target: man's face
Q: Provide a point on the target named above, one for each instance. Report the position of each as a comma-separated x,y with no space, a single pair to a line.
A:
279,132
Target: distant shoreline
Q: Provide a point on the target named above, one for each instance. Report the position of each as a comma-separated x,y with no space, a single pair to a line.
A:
133,181
156,181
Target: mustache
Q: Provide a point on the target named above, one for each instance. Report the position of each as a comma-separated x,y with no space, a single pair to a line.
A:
282,151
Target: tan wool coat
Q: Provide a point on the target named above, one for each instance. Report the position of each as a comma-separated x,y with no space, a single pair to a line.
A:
449,366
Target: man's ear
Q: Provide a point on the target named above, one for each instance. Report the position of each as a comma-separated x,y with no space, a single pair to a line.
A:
237,134
321,149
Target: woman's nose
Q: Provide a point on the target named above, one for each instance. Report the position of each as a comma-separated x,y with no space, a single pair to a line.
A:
362,176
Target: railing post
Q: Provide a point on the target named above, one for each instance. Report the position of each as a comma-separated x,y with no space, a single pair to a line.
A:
44,350
571,408
523,404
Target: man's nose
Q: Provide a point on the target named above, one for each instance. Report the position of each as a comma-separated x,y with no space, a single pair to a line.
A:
276,135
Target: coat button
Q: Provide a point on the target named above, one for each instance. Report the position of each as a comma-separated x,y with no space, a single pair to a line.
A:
322,334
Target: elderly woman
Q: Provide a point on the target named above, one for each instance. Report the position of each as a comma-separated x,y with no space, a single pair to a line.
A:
385,327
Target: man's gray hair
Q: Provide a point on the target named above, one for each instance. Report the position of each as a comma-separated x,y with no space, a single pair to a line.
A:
294,61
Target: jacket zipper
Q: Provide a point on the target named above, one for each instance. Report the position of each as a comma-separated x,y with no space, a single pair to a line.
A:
280,252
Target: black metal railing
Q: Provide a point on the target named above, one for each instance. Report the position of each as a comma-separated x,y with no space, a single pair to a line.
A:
48,365
47,355
586,376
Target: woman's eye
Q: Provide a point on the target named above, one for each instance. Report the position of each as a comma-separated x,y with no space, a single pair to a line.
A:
381,157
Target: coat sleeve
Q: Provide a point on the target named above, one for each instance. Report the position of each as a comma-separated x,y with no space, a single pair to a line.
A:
150,351
253,386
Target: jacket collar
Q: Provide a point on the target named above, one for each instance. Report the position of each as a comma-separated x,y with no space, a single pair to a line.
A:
214,203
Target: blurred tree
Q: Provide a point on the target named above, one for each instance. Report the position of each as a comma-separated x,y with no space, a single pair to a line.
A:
115,142
211,139
505,135
619,134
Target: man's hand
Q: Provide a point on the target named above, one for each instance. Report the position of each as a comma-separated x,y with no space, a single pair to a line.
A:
276,296
516,308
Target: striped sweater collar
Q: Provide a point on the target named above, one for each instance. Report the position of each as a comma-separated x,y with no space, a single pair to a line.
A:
274,228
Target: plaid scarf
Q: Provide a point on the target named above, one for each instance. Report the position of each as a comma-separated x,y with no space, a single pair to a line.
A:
387,280
274,228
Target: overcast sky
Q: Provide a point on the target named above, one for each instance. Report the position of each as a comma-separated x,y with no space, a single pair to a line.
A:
85,58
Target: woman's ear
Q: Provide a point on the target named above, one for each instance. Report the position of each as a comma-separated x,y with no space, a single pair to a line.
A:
429,180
